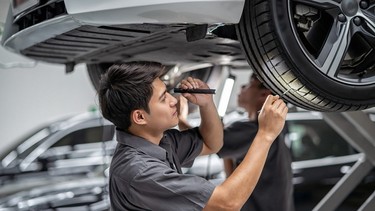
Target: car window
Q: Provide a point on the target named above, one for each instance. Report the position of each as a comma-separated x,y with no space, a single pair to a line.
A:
25,147
87,135
314,139
82,136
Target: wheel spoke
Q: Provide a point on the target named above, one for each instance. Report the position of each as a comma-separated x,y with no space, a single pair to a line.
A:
370,20
334,49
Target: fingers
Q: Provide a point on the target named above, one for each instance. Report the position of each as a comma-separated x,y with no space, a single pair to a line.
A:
276,103
269,101
192,83
285,110
181,99
182,107
186,95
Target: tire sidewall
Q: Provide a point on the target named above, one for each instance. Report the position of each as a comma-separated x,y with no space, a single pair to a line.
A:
305,70
95,72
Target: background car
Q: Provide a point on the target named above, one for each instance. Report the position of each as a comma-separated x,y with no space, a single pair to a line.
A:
80,194
71,148
321,157
319,53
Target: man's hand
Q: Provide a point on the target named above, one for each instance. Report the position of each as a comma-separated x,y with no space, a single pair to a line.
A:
272,117
182,107
198,99
210,128
183,110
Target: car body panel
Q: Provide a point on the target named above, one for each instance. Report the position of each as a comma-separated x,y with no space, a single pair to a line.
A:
40,32
57,194
53,139
59,139
116,12
71,148
83,34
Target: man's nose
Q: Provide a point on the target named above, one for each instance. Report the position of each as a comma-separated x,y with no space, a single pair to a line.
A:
173,101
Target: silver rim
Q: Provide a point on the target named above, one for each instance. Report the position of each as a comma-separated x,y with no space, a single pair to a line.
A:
338,37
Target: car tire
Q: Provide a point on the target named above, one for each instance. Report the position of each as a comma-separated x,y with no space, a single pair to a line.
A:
273,49
95,71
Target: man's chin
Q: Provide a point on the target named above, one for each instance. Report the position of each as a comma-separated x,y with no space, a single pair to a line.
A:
175,124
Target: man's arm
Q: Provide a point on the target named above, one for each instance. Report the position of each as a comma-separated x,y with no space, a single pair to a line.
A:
210,128
228,166
234,191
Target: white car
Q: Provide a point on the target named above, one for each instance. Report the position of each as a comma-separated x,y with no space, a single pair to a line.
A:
70,148
319,53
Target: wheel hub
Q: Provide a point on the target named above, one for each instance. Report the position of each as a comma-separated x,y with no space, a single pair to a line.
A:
349,7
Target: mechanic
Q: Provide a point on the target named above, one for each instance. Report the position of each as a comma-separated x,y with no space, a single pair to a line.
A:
275,182
145,172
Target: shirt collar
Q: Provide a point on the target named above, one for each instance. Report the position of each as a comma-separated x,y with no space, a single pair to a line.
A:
142,144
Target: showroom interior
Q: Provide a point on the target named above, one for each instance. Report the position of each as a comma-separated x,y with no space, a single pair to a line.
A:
57,147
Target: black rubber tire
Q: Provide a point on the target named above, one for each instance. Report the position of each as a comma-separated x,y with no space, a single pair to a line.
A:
95,71
273,52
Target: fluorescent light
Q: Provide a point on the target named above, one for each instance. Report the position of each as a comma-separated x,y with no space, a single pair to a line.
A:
225,95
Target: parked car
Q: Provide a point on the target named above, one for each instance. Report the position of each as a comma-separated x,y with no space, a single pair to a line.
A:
319,53
321,157
71,148
80,194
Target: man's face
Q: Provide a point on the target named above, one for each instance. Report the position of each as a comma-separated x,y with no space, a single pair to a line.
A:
251,94
163,110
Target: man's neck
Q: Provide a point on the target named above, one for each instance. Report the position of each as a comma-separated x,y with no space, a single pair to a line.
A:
252,113
153,137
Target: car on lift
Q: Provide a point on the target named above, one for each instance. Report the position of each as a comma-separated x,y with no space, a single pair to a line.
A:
319,53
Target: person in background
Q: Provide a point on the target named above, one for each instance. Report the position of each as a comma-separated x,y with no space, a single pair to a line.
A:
276,179
145,171
275,182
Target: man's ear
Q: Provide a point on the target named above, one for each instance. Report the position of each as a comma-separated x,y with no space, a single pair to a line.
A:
138,117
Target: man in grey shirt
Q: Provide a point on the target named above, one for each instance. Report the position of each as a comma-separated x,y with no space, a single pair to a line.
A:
276,179
145,172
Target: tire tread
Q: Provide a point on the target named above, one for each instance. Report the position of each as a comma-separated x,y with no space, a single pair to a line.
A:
268,60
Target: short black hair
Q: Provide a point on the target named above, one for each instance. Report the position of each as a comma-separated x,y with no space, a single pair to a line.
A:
261,85
126,87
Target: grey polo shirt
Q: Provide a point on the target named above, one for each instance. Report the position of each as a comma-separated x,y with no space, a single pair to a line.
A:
145,176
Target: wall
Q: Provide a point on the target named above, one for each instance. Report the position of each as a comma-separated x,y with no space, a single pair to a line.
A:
33,96
30,97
